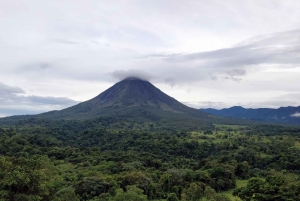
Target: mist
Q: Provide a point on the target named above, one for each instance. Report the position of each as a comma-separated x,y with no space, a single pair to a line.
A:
123,74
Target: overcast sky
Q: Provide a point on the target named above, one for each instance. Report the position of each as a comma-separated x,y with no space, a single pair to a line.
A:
204,53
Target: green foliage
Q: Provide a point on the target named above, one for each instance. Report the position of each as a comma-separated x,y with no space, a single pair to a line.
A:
276,186
27,179
193,193
243,170
91,187
66,194
132,193
211,195
92,160
172,197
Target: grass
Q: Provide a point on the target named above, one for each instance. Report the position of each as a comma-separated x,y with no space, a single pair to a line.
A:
239,184
221,134
264,155
227,126
297,144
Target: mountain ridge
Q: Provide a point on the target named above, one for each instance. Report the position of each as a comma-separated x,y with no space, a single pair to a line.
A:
285,115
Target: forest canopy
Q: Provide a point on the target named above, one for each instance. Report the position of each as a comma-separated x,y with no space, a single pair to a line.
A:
108,159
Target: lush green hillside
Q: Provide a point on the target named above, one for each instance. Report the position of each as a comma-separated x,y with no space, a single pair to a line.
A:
111,159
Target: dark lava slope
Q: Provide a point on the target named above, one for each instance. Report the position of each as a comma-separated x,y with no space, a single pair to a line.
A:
129,98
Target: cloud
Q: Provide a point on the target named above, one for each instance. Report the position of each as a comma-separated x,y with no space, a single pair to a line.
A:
44,65
297,114
277,48
235,72
271,103
63,41
196,46
160,55
39,66
6,90
232,78
122,74
205,104
13,101
233,63
170,80
48,100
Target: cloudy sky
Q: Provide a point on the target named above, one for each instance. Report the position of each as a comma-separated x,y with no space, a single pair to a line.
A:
204,53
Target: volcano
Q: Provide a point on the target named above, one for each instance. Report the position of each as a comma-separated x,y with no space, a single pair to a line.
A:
138,100
129,98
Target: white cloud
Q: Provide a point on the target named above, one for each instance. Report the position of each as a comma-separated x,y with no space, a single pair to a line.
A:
297,114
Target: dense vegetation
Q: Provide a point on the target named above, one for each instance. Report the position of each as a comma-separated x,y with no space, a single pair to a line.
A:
109,159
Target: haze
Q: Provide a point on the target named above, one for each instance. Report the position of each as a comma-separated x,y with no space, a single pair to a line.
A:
203,53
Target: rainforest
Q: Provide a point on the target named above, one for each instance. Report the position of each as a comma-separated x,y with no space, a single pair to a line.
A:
114,159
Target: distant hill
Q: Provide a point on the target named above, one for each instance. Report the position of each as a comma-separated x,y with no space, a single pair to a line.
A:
134,99
285,115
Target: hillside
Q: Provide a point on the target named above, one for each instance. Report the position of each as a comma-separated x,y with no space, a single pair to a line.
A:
285,115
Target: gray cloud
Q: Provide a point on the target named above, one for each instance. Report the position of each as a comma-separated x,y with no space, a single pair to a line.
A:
34,66
161,55
6,90
277,48
171,81
232,78
234,62
236,72
48,100
122,74
230,64
63,41
14,101
44,65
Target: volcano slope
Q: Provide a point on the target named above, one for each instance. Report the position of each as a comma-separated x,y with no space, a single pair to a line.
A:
136,99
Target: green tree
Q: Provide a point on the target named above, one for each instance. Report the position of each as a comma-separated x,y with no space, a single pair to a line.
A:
133,194
65,194
193,193
91,187
27,179
243,170
276,186
172,197
211,195
138,179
